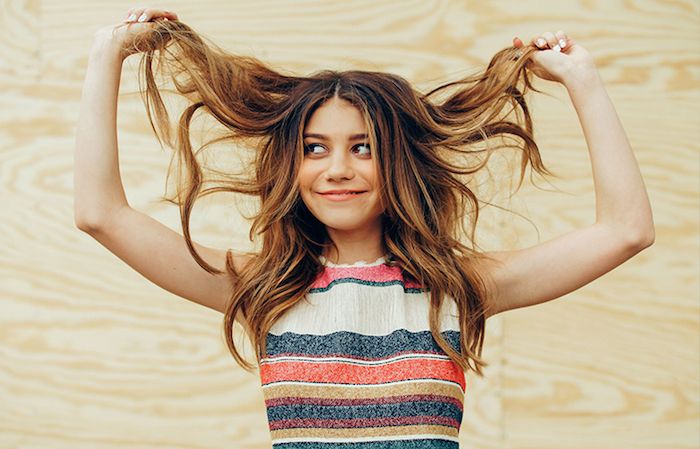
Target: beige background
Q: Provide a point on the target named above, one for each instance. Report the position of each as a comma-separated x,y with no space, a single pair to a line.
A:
94,356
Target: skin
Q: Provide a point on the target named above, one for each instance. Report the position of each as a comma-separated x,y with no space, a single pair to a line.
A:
339,162
623,217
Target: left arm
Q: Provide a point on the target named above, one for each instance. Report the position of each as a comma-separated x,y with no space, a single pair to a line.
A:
624,224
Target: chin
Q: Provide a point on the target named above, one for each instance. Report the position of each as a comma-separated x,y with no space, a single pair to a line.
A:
343,221
343,225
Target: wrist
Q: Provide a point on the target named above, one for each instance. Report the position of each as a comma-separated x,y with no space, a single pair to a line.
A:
582,78
105,46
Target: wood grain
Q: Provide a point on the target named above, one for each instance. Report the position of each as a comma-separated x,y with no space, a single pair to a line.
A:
94,356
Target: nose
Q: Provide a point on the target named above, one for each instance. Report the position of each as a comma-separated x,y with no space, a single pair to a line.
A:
339,165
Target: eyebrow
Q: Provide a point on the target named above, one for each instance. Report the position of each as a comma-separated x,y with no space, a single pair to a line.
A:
324,137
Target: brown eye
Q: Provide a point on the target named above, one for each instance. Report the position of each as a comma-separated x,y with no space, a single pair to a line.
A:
310,147
366,148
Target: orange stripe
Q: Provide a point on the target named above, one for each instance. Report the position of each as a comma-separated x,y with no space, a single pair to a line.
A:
347,373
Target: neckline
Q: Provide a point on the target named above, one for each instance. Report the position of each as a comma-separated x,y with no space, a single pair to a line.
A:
360,263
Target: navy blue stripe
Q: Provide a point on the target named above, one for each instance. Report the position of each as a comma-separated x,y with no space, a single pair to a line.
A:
412,408
352,344
351,280
396,444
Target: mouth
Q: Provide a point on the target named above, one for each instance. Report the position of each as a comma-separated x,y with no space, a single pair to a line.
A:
342,195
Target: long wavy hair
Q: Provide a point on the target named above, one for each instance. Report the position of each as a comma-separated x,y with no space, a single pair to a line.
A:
415,138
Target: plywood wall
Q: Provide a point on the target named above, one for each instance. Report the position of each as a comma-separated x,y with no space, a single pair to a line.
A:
94,356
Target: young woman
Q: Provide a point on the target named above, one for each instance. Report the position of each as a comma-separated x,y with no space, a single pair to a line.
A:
365,305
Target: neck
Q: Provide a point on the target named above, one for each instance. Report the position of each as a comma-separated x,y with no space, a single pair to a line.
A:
355,245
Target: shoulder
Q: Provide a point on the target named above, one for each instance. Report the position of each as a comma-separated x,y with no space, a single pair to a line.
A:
489,267
238,259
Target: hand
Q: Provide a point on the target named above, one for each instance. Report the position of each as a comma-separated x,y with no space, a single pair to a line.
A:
130,35
561,57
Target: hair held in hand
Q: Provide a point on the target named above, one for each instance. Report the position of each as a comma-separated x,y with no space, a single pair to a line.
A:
418,139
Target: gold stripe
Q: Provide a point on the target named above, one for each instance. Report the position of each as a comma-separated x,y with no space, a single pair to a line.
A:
324,390
357,432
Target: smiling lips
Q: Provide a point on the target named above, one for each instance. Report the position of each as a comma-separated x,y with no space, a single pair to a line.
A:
341,195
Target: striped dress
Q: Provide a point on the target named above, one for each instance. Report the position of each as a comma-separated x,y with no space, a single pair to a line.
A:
354,365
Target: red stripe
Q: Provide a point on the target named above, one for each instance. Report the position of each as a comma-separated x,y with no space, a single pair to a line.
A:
379,273
347,373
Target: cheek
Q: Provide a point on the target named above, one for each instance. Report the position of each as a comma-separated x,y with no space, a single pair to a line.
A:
305,183
304,179
373,178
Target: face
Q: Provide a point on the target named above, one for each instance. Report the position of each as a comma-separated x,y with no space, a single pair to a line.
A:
337,157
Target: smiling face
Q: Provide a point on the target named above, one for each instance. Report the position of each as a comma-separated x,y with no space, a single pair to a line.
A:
337,157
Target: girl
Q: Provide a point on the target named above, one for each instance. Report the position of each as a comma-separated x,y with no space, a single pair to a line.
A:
364,305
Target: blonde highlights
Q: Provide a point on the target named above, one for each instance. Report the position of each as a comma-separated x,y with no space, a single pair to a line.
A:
414,137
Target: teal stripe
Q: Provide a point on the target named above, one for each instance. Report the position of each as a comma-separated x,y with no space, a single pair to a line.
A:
363,282
427,408
351,344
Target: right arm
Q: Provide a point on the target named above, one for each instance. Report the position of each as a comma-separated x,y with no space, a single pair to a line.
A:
97,182
100,205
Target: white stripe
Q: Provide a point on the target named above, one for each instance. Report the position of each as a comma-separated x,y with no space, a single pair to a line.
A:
364,309
273,360
380,385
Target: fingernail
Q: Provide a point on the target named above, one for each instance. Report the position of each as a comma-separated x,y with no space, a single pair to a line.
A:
540,42
556,48
131,18
143,17
562,43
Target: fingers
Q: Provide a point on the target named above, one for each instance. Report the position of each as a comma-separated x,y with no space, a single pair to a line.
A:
554,41
147,14
133,14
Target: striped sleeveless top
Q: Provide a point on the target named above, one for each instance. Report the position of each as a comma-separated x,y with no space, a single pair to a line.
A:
355,362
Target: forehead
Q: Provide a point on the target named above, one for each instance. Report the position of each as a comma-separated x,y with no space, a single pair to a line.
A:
337,115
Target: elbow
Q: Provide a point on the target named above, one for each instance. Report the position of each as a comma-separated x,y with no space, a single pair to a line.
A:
648,241
86,225
643,239
92,220
83,218
634,238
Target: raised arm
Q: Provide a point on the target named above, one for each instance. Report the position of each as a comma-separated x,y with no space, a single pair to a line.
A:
98,189
101,208
623,225
622,203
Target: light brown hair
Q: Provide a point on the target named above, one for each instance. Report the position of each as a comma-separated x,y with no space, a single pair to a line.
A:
413,136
